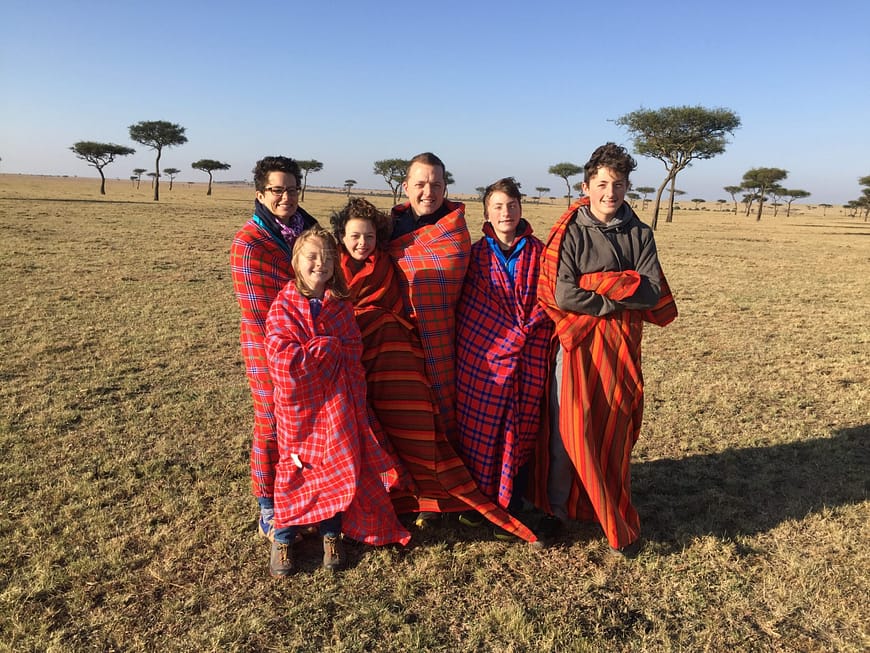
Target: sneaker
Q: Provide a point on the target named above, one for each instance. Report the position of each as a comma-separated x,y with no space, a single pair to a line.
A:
281,559
471,518
502,535
629,551
333,552
426,520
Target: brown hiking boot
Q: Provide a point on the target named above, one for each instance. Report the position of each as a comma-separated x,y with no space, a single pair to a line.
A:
333,552
281,559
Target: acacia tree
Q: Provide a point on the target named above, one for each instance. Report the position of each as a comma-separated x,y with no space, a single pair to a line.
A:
760,181
139,172
448,180
645,190
157,134
541,190
209,166
566,170
732,191
393,171
676,136
99,155
348,184
308,165
154,176
792,195
171,173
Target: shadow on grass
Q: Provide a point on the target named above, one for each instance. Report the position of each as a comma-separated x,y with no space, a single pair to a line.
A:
748,491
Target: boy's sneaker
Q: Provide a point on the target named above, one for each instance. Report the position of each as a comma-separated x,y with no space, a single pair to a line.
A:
502,535
426,520
333,552
471,518
281,559
629,551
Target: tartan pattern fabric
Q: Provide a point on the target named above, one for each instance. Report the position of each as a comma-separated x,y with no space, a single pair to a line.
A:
601,392
322,422
260,267
502,337
431,262
403,403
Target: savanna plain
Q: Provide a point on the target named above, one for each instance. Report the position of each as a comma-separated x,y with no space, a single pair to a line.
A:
126,518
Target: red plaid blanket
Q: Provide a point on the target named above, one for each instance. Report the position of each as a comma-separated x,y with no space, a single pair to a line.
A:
322,422
601,392
260,267
431,262
502,336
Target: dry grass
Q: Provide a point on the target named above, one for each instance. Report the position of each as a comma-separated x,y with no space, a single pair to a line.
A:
125,512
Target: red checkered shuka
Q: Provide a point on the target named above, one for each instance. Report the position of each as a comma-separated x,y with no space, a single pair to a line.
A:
322,421
260,268
432,261
502,338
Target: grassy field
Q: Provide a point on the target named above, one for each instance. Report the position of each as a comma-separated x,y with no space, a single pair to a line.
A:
127,522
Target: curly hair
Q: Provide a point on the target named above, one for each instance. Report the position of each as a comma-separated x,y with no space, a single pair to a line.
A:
609,155
275,164
337,284
508,186
361,209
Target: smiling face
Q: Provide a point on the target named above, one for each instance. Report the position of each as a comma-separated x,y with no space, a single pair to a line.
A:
424,188
503,212
606,191
359,238
284,205
314,265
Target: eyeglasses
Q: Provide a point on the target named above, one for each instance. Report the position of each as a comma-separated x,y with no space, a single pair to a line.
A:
278,191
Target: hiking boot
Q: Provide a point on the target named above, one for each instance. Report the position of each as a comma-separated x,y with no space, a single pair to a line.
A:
281,559
502,535
333,552
471,518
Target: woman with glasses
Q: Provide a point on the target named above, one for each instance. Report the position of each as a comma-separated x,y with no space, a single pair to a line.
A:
260,258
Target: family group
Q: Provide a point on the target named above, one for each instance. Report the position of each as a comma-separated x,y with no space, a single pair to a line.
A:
400,373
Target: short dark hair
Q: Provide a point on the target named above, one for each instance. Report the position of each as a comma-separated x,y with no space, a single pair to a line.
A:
428,159
361,209
506,185
275,164
609,155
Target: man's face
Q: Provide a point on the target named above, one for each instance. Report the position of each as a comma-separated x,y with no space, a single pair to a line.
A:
606,191
424,188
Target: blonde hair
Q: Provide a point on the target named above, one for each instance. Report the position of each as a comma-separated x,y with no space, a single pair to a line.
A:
337,284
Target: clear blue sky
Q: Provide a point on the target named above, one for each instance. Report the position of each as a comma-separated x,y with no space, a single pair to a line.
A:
494,88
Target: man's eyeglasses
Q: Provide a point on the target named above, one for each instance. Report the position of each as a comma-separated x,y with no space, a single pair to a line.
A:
278,191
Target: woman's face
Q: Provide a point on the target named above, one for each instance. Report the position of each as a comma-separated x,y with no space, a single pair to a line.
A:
359,238
314,265
285,204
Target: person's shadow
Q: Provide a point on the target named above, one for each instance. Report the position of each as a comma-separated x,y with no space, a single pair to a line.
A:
747,491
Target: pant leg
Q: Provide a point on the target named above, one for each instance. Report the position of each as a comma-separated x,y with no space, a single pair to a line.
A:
561,467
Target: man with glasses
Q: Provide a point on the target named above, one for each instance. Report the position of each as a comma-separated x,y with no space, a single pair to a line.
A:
260,264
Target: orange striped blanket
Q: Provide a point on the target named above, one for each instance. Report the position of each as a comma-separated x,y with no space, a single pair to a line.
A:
601,391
